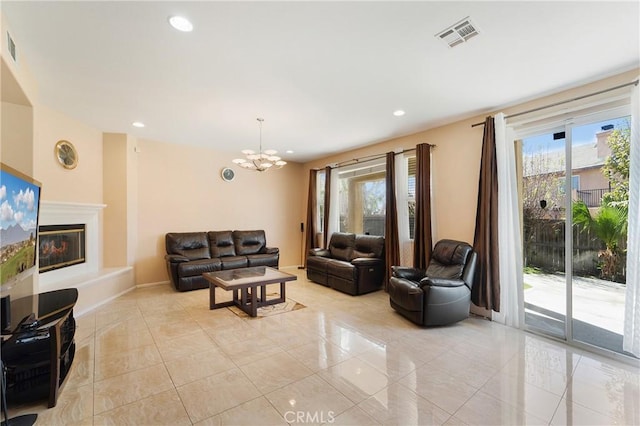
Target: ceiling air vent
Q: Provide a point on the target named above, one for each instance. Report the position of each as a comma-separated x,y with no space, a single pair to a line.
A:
458,33
11,46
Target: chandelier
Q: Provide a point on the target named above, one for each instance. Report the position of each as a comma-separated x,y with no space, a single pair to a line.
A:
262,160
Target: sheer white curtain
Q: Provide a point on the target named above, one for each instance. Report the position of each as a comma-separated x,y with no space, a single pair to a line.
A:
631,342
402,199
334,209
509,240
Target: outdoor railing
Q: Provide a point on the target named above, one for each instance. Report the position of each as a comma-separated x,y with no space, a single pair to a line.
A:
592,197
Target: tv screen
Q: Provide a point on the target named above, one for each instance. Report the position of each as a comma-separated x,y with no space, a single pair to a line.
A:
19,212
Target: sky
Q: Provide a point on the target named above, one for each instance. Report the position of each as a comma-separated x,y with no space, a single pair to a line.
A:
18,202
581,135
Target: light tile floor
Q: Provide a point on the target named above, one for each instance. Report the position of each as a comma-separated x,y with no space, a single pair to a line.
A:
155,356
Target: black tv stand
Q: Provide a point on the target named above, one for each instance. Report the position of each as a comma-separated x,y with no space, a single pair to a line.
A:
23,420
38,348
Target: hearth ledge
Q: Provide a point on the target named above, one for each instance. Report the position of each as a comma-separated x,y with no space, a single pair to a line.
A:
97,288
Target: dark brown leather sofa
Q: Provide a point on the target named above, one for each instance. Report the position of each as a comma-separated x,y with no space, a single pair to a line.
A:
190,254
353,264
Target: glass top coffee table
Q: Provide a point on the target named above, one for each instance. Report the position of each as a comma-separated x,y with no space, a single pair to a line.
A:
244,283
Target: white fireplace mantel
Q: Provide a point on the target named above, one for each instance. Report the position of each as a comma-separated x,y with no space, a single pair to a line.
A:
60,213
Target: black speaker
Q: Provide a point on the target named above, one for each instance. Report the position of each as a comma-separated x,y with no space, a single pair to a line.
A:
5,312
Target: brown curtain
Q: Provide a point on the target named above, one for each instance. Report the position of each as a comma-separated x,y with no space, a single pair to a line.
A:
486,290
327,205
422,239
391,244
312,207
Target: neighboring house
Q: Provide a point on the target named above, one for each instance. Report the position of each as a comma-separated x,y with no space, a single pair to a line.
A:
588,182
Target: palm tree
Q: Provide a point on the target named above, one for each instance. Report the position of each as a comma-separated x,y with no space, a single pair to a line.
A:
609,224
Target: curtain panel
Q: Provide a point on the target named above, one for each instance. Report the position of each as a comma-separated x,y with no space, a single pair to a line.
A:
312,209
486,290
631,337
509,238
422,233
405,243
327,206
391,245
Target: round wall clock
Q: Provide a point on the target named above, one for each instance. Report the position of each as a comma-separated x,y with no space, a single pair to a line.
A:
66,154
228,174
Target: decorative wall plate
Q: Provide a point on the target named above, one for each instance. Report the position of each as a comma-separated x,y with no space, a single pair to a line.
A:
66,154
227,174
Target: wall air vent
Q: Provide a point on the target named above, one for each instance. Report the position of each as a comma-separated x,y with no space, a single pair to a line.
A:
458,33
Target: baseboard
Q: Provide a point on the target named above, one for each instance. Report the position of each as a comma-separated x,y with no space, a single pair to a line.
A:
145,285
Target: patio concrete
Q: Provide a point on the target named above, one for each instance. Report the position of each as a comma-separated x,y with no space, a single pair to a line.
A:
595,301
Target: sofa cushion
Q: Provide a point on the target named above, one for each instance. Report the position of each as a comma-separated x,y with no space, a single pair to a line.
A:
368,246
198,267
263,259
234,262
249,242
221,243
448,259
318,263
192,245
341,245
344,270
449,252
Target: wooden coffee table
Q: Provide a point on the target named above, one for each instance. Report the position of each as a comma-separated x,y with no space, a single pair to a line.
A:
244,283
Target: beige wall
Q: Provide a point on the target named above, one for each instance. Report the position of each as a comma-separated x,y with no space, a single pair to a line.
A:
455,168
592,179
82,184
180,189
120,193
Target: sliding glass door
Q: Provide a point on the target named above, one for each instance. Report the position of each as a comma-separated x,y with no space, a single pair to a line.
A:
544,218
600,160
575,181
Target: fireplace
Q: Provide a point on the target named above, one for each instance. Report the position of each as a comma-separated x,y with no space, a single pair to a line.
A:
61,246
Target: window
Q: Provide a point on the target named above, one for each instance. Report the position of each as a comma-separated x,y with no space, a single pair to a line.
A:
320,188
362,194
411,194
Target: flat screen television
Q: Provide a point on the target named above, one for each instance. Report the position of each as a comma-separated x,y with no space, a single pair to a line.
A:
19,214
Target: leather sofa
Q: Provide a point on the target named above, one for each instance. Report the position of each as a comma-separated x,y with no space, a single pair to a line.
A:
353,263
440,295
190,254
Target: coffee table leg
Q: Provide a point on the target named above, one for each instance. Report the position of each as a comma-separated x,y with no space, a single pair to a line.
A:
254,302
212,296
282,294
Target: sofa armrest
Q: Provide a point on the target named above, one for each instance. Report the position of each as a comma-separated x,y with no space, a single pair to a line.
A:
365,261
271,250
319,252
412,274
175,258
441,282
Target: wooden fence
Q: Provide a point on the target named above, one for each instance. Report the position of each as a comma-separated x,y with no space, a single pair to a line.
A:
544,248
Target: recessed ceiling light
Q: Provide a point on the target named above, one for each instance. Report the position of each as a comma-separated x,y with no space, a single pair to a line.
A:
398,113
289,151
181,23
137,124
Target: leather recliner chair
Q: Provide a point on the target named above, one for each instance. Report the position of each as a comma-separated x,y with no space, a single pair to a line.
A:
440,295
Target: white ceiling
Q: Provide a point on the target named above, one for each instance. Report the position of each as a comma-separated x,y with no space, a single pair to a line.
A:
326,76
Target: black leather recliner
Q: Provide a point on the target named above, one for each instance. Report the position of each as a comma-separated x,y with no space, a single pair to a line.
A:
440,295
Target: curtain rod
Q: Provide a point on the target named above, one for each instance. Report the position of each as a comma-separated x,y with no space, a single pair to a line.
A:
634,83
369,158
